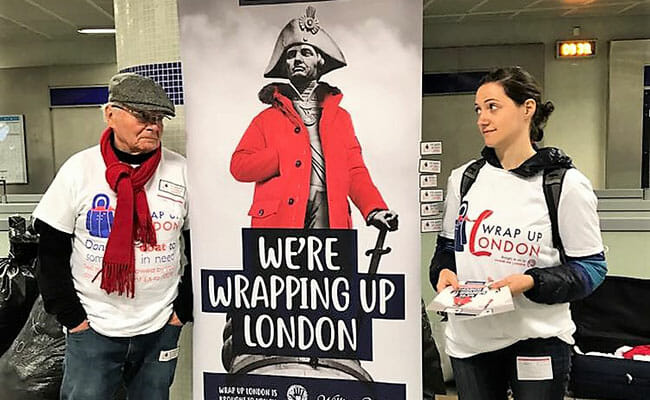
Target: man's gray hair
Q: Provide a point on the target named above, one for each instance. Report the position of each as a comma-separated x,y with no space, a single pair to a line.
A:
103,108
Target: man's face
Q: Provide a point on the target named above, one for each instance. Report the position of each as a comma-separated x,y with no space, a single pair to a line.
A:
302,62
134,132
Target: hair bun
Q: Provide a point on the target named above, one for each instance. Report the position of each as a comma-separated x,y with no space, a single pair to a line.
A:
548,107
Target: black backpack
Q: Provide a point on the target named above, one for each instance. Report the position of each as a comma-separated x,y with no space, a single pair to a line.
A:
553,178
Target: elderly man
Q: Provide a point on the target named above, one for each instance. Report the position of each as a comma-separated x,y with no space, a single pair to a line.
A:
110,229
302,152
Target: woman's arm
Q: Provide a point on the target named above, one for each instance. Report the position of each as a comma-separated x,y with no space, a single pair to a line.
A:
573,280
443,258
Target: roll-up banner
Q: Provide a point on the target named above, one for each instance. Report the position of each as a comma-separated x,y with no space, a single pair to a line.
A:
303,128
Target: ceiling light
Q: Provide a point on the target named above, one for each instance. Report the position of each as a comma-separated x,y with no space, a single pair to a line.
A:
97,31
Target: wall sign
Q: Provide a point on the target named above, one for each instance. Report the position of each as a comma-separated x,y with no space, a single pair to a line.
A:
431,166
13,157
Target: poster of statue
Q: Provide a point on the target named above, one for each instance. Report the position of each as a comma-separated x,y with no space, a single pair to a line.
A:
303,126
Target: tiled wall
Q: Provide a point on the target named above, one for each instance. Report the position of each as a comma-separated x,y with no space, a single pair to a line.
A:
147,32
168,75
147,42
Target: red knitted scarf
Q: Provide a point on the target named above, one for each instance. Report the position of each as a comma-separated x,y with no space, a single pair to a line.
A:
132,220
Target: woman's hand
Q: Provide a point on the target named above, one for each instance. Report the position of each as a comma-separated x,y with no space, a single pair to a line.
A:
518,283
446,278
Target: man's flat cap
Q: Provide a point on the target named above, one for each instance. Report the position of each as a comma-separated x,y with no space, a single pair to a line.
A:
139,93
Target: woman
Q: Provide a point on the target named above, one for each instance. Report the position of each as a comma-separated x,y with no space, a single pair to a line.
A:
500,231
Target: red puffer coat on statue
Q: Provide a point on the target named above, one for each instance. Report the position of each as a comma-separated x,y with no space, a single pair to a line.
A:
275,153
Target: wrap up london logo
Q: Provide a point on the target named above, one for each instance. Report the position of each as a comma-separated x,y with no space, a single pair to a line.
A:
99,219
300,294
485,238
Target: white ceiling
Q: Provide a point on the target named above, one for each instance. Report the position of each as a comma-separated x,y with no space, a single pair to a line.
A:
504,10
28,20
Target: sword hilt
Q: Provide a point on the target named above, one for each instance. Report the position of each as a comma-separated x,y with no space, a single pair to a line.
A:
379,252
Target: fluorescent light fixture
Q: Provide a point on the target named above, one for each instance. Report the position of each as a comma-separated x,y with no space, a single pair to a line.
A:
97,31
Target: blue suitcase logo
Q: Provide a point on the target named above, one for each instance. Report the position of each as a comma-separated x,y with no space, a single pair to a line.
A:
99,219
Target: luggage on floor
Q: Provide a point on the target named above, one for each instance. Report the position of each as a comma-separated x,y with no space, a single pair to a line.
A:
617,314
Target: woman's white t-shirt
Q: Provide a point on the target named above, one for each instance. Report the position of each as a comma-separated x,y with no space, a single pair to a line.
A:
503,227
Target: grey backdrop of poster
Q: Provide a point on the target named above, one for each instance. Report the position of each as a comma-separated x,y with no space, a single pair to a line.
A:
225,48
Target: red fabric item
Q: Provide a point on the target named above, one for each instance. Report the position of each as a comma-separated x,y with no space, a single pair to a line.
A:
278,159
118,265
638,350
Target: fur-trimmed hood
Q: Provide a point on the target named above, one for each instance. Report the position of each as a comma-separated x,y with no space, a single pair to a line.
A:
267,94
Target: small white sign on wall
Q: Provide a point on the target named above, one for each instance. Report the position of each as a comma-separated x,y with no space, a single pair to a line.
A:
430,148
431,225
431,209
430,166
431,195
428,181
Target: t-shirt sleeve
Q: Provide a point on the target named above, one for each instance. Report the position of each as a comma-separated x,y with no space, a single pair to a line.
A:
56,207
578,217
452,202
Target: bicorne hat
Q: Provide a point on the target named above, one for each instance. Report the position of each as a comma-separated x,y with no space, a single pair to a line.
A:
305,30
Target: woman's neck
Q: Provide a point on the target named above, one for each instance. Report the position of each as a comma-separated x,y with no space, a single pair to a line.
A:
514,154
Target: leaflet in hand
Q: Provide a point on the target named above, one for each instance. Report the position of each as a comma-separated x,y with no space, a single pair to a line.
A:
473,298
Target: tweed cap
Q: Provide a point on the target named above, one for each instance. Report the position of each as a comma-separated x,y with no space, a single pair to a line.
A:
139,93
304,30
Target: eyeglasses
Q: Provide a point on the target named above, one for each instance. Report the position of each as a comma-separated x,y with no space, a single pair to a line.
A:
143,116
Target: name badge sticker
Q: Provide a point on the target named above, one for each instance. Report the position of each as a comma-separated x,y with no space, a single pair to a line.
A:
168,355
534,368
171,188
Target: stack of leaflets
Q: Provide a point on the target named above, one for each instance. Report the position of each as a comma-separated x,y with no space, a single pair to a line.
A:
473,299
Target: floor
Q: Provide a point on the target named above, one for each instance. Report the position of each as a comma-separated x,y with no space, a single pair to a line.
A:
452,394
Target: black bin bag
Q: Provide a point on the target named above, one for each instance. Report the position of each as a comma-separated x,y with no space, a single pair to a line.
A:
18,288
32,368
23,241
31,362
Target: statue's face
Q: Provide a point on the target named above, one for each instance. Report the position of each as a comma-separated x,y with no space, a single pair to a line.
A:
302,62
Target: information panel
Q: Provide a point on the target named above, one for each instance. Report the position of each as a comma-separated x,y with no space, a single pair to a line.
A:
13,159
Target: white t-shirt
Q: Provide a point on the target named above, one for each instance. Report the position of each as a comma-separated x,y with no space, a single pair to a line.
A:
502,228
80,202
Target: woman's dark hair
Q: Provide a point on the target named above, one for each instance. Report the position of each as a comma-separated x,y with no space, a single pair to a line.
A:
520,86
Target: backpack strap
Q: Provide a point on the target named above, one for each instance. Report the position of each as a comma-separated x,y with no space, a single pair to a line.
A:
469,176
553,179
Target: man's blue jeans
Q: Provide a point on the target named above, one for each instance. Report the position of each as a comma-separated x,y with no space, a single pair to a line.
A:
95,366
488,376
